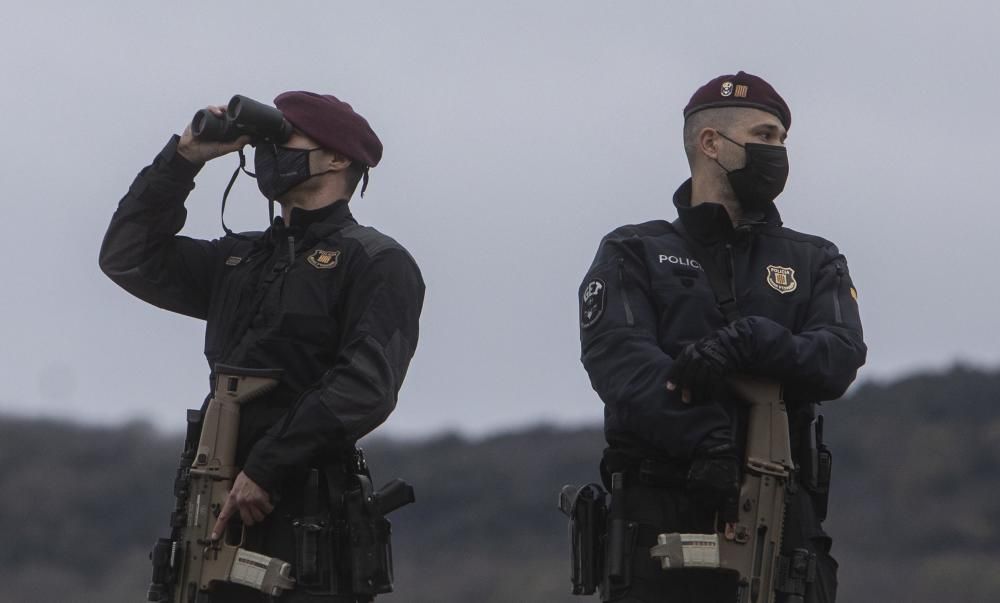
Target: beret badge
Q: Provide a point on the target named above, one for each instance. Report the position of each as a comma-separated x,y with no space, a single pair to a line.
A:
740,90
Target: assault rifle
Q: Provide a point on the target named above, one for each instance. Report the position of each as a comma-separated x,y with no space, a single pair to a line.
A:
750,546
189,562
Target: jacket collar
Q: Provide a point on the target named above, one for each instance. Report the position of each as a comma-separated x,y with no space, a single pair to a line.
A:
710,222
313,224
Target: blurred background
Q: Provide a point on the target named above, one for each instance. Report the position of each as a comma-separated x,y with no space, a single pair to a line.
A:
516,135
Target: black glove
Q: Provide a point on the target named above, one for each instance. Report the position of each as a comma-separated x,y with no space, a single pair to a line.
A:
714,478
701,366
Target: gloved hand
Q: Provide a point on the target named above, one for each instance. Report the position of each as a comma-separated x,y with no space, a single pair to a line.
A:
714,478
701,366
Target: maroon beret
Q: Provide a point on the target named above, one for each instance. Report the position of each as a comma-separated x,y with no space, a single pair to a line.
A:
740,90
332,123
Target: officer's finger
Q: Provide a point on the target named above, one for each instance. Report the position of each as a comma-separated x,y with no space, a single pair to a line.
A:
256,513
220,523
229,147
246,515
266,505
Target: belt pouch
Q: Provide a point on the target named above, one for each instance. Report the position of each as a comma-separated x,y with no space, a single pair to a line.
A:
825,465
314,555
824,469
619,543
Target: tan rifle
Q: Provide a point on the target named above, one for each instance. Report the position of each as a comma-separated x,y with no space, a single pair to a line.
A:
751,546
189,561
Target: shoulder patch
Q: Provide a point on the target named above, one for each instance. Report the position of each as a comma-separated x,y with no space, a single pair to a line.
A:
592,303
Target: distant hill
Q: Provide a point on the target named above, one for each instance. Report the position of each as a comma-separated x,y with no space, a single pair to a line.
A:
914,512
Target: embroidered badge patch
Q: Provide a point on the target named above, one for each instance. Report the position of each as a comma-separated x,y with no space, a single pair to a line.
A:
233,260
323,259
592,306
727,89
781,279
854,294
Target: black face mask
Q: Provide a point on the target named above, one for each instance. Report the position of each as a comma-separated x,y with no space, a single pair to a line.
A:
280,169
763,177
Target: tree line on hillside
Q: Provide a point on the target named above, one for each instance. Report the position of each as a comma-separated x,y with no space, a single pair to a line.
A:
912,510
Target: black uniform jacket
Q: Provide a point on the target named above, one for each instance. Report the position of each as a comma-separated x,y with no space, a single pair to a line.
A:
333,304
646,296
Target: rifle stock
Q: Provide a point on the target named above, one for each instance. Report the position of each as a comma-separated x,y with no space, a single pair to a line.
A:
189,561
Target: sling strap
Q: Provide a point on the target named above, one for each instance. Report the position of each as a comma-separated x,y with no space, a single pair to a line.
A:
723,288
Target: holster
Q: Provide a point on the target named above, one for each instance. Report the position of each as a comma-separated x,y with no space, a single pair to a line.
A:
343,541
368,541
602,539
586,507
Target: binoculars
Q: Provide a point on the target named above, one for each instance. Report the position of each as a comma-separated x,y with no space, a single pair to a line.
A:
244,117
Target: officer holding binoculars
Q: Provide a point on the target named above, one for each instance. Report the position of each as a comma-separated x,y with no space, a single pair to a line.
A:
333,304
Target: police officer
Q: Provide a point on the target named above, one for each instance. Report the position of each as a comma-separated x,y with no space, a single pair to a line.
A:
333,304
659,337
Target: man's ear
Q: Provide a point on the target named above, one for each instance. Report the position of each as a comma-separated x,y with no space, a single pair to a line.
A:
708,142
335,162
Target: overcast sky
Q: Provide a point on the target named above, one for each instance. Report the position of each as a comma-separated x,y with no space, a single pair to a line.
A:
516,135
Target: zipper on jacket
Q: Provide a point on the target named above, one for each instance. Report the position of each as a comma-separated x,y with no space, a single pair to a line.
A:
629,319
291,252
837,315
732,270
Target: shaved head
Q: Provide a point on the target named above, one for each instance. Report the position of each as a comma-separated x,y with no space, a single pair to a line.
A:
741,122
721,118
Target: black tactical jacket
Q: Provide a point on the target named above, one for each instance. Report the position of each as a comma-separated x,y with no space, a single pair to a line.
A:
646,296
333,304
